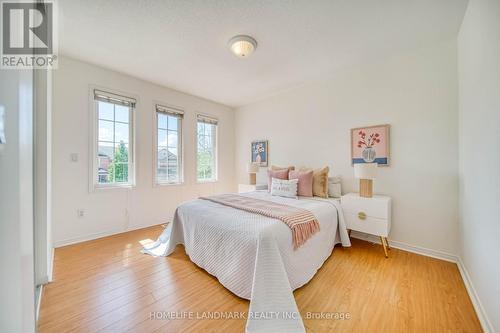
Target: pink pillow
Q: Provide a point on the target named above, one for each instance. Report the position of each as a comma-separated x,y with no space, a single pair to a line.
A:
278,174
305,178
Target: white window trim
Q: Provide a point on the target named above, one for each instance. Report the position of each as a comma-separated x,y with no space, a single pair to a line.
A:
216,149
180,147
93,144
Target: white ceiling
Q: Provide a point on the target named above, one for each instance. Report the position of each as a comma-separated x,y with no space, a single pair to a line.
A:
183,44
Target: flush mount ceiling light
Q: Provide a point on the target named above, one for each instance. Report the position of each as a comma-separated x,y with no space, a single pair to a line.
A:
242,46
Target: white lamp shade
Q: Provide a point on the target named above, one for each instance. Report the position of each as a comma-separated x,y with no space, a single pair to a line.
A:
252,168
365,170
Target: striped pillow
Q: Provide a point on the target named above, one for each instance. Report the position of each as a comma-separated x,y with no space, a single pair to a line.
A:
284,188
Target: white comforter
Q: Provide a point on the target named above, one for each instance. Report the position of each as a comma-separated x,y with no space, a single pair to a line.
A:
253,256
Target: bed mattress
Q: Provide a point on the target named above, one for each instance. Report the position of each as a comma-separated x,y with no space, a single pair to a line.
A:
253,255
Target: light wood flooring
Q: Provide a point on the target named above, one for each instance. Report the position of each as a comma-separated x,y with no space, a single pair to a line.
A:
107,285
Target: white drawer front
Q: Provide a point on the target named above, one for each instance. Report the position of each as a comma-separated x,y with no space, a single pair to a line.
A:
374,208
369,225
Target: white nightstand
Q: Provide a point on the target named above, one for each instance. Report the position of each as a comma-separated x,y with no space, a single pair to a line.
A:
368,215
242,188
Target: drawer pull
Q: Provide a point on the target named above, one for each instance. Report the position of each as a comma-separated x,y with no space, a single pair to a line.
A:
362,216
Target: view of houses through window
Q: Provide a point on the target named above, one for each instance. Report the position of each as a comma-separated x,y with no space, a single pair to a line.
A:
206,149
113,143
169,152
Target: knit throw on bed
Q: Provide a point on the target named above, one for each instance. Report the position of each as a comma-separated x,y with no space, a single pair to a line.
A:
302,222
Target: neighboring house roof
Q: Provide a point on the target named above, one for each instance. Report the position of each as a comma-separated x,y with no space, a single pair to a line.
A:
165,156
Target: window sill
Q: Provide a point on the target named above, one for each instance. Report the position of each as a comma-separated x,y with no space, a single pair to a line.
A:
206,181
113,187
168,184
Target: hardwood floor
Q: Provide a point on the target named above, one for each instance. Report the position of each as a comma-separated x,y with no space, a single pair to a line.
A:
107,285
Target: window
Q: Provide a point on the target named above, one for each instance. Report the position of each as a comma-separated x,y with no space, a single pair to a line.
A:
168,145
114,146
206,149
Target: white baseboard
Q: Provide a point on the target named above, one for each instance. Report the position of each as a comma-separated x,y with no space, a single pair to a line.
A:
97,235
481,314
37,313
51,265
79,239
408,247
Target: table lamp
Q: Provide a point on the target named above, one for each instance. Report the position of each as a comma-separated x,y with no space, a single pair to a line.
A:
366,173
252,169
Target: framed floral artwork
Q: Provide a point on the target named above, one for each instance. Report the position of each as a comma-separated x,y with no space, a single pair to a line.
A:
370,145
260,152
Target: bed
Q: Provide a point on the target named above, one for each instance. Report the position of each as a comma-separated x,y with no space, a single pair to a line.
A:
253,255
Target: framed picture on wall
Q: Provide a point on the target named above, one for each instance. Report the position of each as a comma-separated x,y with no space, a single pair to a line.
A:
260,152
370,145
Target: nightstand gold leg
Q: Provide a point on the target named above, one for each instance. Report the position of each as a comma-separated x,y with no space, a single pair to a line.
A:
387,243
385,247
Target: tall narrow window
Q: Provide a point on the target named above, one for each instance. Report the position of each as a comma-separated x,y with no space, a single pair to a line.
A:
168,145
114,139
206,149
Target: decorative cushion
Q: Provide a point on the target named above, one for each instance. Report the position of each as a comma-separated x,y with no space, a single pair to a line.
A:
284,188
290,168
320,182
334,190
305,177
278,174
334,187
335,179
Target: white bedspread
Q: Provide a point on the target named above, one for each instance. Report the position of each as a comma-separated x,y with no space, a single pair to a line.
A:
253,256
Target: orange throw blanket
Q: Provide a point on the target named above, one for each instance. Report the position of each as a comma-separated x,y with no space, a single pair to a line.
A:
302,222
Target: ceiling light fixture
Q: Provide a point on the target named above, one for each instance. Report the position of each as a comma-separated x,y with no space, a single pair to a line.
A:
242,46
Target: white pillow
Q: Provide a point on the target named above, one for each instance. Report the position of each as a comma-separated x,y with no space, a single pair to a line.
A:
284,188
335,179
334,187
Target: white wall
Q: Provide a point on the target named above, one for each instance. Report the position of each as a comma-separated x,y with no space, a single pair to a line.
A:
417,94
43,173
111,211
17,301
479,166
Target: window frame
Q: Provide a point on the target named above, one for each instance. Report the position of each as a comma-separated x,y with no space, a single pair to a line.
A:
94,184
180,144
215,148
